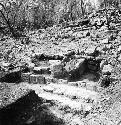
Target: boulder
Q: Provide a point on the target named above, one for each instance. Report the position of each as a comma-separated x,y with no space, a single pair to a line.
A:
37,79
54,62
90,50
103,62
57,70
107,68
91,86
76,68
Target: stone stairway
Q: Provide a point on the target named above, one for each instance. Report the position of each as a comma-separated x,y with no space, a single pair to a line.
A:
70,102
76,104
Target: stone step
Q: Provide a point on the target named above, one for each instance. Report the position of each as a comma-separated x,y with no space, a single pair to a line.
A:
89,85
37,79
42,70
65,101
71,91
26,77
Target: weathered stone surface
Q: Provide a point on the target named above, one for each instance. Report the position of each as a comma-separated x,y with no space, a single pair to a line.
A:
107,68
41,70
93,65
81,65
37,79
90,50
81,84
31,66
25,77
2,74
37,70
50,79
104,41
57,70
91,86
45,70
54,62
75,68
5,66
74,64
62,81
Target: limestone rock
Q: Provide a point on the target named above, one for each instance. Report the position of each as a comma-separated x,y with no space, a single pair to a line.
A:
53,62
37,79
25,77
57,70
76,68
91,86
41,70
90,50
37,70
31,66
81,84
50,79
107,68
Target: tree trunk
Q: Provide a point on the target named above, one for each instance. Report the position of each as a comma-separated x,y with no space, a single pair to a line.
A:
82,8
8,24
108,22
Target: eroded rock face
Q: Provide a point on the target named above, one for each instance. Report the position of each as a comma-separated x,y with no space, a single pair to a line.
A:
76,68
57,70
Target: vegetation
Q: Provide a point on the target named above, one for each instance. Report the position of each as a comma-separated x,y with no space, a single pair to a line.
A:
18,15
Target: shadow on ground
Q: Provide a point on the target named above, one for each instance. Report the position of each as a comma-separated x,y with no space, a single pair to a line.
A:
28,110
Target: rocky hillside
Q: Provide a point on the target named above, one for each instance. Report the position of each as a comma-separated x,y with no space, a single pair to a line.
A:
74,68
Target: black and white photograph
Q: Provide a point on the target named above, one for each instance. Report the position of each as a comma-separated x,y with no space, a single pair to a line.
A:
60,62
